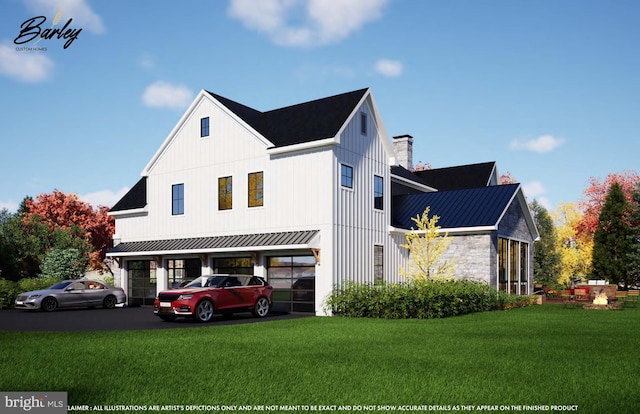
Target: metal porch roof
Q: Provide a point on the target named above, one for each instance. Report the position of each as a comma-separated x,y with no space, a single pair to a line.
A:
216,242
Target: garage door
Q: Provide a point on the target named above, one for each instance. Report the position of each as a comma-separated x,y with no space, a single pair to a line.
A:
294,283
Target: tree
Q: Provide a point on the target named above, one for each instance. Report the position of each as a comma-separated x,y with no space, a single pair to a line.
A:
506,178
25,242
611,240
595,195
64,211
426,246
64,264
634,239
575,249
546,258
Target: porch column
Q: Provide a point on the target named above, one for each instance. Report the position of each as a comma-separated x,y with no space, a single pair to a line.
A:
161,274
205,264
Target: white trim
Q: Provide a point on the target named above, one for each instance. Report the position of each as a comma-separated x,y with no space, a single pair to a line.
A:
411,183
454,230
303,146
202,95
129,213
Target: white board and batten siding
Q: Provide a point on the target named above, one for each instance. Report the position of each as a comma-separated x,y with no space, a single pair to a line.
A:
358,226
293,185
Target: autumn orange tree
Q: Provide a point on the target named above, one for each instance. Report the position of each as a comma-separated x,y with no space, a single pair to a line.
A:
596,193
66,211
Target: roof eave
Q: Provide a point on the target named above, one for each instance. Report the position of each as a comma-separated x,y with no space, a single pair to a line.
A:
304,146
452,231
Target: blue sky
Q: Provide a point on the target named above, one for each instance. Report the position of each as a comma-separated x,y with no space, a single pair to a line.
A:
549,89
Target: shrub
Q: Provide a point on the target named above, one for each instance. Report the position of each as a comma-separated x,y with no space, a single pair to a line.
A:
10,289
64,264
424,299
8,292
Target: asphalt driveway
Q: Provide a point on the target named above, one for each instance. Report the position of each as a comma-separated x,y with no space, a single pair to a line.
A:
118,319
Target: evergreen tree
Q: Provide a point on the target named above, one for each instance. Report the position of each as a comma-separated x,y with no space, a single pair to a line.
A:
634,239
612,239
546,257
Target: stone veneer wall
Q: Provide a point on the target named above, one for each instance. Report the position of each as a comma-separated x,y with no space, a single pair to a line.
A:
471,255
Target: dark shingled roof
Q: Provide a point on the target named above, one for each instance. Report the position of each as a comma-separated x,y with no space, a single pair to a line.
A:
290,238
475,207
135,198
459,177
305,122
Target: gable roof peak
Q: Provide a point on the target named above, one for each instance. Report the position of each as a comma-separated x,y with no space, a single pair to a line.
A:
300,123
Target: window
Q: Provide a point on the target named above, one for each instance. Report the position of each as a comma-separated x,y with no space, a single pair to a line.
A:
346,178
378,265
513,266
181,270
204,127
177,199
378,192
256,194
363,123
225,196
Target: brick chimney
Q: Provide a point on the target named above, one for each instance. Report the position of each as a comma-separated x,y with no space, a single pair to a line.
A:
403,147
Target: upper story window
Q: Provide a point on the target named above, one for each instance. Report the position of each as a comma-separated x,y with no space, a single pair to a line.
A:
363,123
378,192
177,199
204,127
256,189
346,176
225,193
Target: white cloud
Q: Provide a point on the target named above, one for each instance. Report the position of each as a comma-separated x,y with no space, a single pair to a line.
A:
165,95
389,68
12,206
104,197
25,66
542,144
321,21
79,10
536,190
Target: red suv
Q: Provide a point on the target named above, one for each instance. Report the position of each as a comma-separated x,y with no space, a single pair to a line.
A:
207,295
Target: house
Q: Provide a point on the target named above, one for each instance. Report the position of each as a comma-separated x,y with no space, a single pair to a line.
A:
308,196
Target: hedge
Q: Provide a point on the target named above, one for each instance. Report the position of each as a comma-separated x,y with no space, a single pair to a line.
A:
419,299
10,289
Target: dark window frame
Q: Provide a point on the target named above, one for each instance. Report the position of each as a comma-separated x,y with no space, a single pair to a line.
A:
378,192
204,127
177,199
346,180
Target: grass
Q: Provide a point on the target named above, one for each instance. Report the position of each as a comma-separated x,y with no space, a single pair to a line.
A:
538,356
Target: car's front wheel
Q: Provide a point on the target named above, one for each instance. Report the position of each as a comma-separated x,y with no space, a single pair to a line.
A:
49,304
110,302
203,311
261,308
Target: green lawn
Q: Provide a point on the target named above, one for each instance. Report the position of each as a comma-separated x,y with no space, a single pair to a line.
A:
542,356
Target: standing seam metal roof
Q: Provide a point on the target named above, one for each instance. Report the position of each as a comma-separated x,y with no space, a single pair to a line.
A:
217,242
475,207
